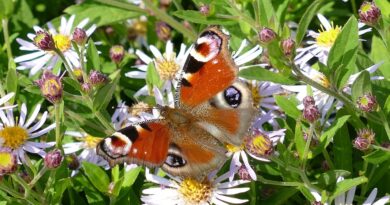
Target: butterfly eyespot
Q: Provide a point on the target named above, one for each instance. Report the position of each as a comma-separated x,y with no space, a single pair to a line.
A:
232,96
174,160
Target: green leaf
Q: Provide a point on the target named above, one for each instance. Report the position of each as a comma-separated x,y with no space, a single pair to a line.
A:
343,52
262,74
377,157
288,106
100,14
361,86
328,135
197,17
130,176
60,186
347,184
93,61
306,20
12,80
386,107
104,95
282,196
6,8
97,176
267,14
152,77
298,139
342,150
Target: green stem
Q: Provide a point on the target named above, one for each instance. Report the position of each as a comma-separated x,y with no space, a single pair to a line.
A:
163,16
67,66
307,146
327,158
103,120
277,183
122,5
37,177
363,172
82,63
385,122
57,107
6,39
354,8
29,194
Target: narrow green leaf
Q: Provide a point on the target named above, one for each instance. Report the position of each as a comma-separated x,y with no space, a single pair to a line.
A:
267,14
130,176
342,150
12,80
377,157
288,106
262,74
298,139
306,20
343,52
93,61
386,107
60,186
347,184
361,86
152,77
328,135
104,95
197,17
97,176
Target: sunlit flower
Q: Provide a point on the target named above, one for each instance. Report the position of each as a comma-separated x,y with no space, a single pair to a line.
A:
324,102
347,198
8,161
324,40
18,136
38,59
260,139
190,191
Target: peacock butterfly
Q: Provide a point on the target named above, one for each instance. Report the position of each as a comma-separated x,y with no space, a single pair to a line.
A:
212,109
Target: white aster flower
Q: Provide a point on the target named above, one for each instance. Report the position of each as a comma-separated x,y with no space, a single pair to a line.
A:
38,59
324,40
168,65
4,100
18,136
343,199
259,146
324,102
87,143
190,191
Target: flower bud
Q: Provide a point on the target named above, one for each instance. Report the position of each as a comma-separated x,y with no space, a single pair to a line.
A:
86,87
288,46
364,138
204,10
369,13
163,31
44,41
308,100
367,103
267,35
78,72
97,78
51,86
53,159
79,36
243,173
8,161
117,53
260,145
311,113
361,143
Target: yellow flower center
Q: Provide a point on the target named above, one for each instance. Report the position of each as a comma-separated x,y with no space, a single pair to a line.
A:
259,145
91,142
167,67
140,27
62,42
51,87
234,148
365,7
6,159
326,38
322,79
139,108
13,137
195,192
256,94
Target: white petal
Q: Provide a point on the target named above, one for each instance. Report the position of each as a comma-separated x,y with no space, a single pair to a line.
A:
146,59
157,54
69,25
371,197
136,74
231,199
38,124
33,116
226,185
232,191
23,114
29,56
82,23
6,98
324,22
43,131
382,201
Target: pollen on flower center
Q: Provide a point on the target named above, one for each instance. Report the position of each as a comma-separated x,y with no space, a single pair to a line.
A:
326,38
62,42
256,94
259,145
13,137
5,159
195,192
167,67
91,142
233,148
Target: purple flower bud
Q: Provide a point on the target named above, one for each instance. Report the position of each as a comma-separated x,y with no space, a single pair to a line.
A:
204,10
86,87
44,41
311,113
79,36
163,31
53,159
308,100
51,86
97,78
243,173
117,53
369,13
288,46
267,35
361,143
367,103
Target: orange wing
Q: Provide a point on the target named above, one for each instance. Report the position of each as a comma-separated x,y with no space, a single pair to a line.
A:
143,144
208,70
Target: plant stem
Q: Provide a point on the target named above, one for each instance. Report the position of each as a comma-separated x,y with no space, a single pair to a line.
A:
307,146
57,107
327,158
354,8
37,177
28,192
6,39
278,183
163,16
